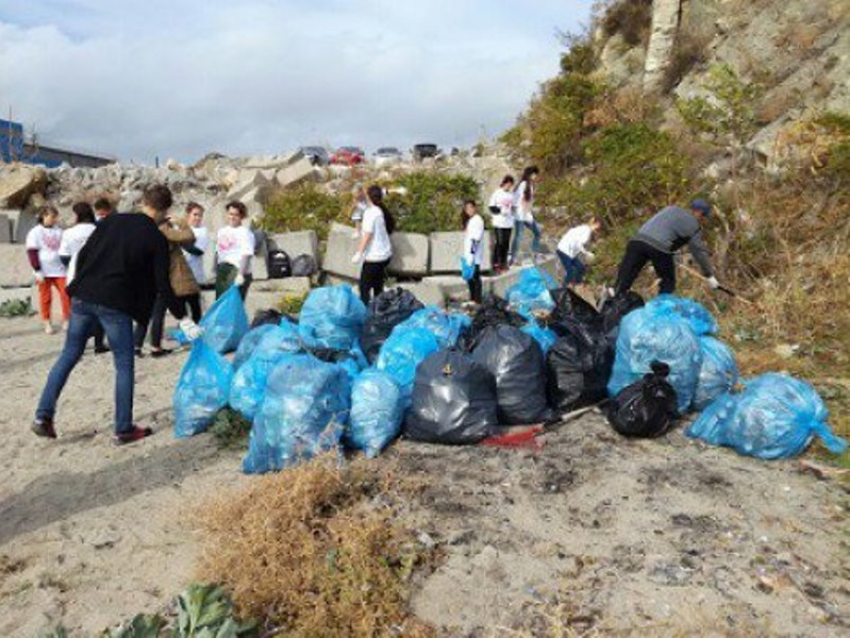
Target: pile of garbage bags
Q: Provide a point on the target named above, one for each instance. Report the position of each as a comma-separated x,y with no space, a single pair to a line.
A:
347,376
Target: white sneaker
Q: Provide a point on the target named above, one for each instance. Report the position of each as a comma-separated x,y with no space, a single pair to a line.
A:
49,329
355,234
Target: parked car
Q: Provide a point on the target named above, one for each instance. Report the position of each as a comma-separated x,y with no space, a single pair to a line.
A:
421,151
387,155
348,156
317,155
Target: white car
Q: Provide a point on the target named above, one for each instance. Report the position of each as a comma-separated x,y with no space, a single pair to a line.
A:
387,155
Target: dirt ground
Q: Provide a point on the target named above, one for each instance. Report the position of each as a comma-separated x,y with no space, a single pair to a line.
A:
589,534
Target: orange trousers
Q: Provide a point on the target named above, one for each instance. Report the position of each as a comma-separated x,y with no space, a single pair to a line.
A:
45,297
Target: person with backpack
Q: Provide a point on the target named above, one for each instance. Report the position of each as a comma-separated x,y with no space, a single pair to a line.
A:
73,240
194,255
42,244
375,249
120,271
501,207
573,253
473,247
659,239
524,211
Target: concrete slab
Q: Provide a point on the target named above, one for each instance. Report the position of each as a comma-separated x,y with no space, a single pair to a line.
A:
341,247
295,173
16,270
429,293
285,286
446,249
22,222
329,279
260,265
5,229
249,180
411,253
303,242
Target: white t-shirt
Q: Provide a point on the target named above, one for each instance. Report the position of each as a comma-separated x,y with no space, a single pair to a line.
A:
72,242
574,242
196,262
504,201
233,244
380,248
46,241
474,233
522,206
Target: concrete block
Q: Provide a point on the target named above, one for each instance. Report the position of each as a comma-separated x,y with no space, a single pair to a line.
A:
284,287
328,279
447,248
5,229
22,223
249,180
410,254
429,293
303,242
439,290
547,244
260,263
341,248
295,173
16,270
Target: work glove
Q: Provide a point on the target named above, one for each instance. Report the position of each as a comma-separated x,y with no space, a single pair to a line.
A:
358,257
39,276
589,257
190,329
398,190
240,279
712,281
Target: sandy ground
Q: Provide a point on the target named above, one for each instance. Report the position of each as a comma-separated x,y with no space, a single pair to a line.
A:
590,533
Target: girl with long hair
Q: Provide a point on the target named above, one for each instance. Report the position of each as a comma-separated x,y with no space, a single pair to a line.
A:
375,249
473,246
501,207
524,211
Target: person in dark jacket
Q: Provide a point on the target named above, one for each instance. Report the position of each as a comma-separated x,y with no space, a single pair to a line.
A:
119,273
659,239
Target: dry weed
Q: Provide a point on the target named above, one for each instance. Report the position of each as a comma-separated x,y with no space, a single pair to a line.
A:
314,551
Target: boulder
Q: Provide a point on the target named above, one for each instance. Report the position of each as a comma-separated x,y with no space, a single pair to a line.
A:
18,182
5,228
446,249
16,270
304,242
296,173
410,254
341,248
251,182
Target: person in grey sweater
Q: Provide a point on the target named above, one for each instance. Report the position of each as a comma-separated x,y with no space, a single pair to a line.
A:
660,238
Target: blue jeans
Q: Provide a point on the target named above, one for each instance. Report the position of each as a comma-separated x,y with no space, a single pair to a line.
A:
519,228
573,267
119,330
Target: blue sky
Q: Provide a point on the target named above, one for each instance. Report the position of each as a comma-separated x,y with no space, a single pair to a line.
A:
144,78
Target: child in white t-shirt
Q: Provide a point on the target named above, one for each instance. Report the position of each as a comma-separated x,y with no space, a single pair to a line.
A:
501,206
473,246
42,244
524,211
234,248
375,249
194,255
573,252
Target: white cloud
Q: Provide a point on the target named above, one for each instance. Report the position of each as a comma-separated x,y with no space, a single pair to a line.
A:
139,79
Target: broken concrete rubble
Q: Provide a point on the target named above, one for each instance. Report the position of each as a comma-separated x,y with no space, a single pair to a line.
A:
18,182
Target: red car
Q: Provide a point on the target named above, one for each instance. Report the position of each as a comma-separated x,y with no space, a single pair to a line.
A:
348,155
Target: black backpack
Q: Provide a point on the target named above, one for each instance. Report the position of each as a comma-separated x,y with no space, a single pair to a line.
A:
646,408
279,265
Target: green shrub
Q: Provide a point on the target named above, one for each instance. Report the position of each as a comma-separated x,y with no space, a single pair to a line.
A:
433,201
305,207
630,18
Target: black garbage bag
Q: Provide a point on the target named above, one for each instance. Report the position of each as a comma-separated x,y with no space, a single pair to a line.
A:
646,408
519,367
494,311
578,366
304,266
454,400
570,306
269,315
386,311
615,308
278,265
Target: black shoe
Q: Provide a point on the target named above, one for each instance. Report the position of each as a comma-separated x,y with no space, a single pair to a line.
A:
44,427
139,353
102,349
136,434
162,352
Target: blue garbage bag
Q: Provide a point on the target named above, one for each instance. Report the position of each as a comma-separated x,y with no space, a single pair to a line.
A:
352,361
775,416
717,374
467,270
544,337
531,292
202,390
657,334
304,413
446,327
249,342
332,317
405,349
377,410
226,322
702,322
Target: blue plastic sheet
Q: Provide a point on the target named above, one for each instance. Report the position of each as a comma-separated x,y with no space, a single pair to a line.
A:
657,334
776,416
202,390
702,322
226,322
531,292
717,374
544,337
304,413
377,410
406,348
446,327
332,317
249,342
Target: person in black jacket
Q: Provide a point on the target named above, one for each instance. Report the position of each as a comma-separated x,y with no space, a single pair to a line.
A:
120,271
